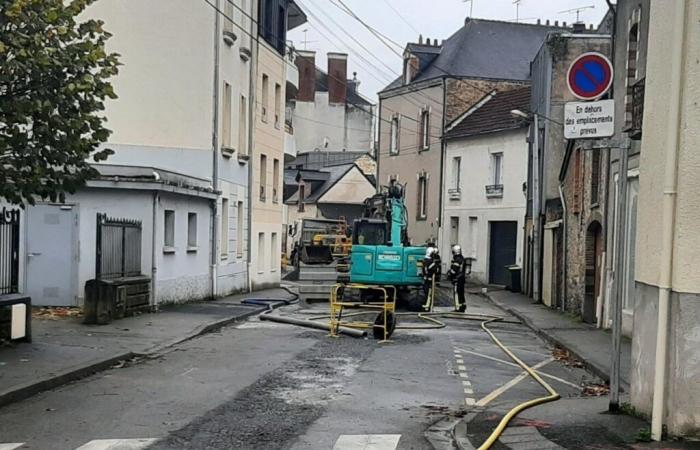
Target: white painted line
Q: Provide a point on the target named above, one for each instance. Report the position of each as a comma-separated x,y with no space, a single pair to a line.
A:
497,392
11,446
459,361
466,382
470,401
463,375
468,391
544,374
117,444
462,368
367,442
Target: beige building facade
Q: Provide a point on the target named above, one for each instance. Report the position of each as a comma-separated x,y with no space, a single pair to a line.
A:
666,334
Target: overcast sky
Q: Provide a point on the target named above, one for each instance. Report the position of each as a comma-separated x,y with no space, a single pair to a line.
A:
432,18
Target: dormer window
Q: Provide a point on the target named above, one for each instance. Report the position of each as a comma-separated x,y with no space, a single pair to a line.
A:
410,68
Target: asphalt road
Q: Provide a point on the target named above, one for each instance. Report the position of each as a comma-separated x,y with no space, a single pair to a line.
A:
259,385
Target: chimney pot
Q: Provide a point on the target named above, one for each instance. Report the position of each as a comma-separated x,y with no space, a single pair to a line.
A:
579,28
539,21
556,23
420,39
563,24
547,22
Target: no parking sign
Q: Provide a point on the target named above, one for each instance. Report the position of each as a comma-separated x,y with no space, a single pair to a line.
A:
590,76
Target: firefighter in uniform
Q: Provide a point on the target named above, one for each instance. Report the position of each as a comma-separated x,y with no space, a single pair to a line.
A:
458,276
431,272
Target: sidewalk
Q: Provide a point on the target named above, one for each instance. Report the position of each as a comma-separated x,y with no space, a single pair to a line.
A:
591,345
65,349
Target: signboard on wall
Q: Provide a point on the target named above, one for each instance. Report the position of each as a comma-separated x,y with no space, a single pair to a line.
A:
589,120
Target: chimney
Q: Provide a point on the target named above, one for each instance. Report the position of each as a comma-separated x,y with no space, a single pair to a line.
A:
420,39
563,24
337,78
547,22
539,21
306,64
556,23
579,28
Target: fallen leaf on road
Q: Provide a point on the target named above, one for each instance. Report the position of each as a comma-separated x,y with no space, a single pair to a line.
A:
595,390
56,313
564,356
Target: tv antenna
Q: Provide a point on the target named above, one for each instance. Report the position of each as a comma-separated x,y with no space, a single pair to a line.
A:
517,10
306,40
471,7
577,11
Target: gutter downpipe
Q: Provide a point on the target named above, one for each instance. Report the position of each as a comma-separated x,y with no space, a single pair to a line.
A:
154,268
215,156
668,223
606,218
536,197
565,237
252,101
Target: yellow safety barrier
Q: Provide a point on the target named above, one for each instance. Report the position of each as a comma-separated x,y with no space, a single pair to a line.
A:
385,323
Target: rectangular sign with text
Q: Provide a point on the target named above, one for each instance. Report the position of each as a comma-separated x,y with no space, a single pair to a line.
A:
589,120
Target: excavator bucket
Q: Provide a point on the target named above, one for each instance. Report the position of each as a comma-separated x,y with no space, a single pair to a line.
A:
316,254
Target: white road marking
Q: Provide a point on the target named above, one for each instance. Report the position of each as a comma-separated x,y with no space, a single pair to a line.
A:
463,375
468,391
470,401
367,442
462,367
117,444
466,382
11,446
544,374
497,392
460,361
462,370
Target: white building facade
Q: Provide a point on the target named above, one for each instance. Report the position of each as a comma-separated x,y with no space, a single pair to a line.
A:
484,174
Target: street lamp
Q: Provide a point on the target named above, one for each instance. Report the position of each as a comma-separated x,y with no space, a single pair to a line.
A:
520,114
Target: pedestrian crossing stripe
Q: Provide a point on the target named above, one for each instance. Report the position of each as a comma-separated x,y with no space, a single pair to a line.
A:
117,444
367,442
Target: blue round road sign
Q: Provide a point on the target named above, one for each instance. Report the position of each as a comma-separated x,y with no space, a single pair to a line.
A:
590,76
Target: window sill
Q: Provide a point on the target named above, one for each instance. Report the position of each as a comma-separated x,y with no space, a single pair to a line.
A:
243,158
595,205
422,218
245,54
192,249
227,152
224,256
168,249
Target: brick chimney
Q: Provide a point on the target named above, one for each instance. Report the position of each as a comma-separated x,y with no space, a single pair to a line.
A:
306,64
337,77
579,28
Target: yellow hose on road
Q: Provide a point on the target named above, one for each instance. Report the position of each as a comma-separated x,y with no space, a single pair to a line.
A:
553,395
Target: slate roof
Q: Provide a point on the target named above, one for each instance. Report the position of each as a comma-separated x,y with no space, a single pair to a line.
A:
353,98
493,115
318,159
486,49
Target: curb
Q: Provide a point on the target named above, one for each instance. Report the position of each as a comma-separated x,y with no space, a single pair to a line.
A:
597,370
32,388
27,390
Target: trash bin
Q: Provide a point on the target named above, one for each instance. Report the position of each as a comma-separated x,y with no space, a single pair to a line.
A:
515,271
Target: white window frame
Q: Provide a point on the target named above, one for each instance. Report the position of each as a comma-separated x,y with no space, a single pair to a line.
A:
239,229
169,231
457,173
191,232
425,128
497,168
225,213
394,135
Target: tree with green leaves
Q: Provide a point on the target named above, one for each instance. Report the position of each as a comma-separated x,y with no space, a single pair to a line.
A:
54,80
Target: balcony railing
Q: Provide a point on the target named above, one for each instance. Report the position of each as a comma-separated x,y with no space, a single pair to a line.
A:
634,128
494,191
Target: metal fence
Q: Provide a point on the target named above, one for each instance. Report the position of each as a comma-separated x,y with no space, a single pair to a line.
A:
9,251
118,247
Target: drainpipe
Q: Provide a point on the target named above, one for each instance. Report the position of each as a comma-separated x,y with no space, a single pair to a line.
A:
565,237
668,221
252,100
154,269
215,155
536,215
